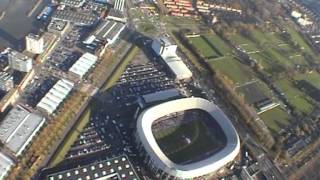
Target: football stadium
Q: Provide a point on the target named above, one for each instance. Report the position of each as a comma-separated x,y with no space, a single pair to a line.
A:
186,138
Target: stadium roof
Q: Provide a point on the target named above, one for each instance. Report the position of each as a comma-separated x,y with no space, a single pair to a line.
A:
161,95
55,96
84,63
18,128
199,168
179,68
5,165
118,167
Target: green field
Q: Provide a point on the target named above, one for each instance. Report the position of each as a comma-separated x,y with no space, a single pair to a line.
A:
207,50
173,141
232,69
211,46
63,149
295,97
313,78
221,46
244,43
275,118
120,69
272,53
296,37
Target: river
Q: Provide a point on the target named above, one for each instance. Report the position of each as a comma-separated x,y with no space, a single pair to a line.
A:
16,23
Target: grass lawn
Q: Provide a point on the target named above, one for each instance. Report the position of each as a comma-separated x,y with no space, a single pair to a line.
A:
244,43
275,55
71,138
296,37
232,69
275,118
295,97
120,69
216,41
174,145
206,50
255,92
313,78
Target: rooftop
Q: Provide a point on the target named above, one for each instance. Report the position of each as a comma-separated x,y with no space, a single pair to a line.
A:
18,128
55,96
18,56
117,168
84,63
161,95
5,165
107,30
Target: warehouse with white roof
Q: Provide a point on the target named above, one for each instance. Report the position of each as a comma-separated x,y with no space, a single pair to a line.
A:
56,95
18,128
167,51
83,64
5,165
107,32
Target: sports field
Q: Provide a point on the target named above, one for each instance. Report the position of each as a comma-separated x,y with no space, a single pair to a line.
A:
313,78
206,49
210,46
189,142
309,83
255,92
295,97
272,52
232,69
275,119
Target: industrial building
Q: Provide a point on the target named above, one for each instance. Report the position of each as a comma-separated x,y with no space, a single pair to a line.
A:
73,3
19,61
119,5
34,44
78,18
107,32
56,95
5,165
18,128
6,81
164,95
83,64
156,159
116,15
58,26
167,51
116,168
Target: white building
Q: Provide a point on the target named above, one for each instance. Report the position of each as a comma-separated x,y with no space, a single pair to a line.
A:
167,51
83,64
18,128
304,22
56,95
73,3
163,47
34,44
19,61
5,165
6,81
119,5
296,14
